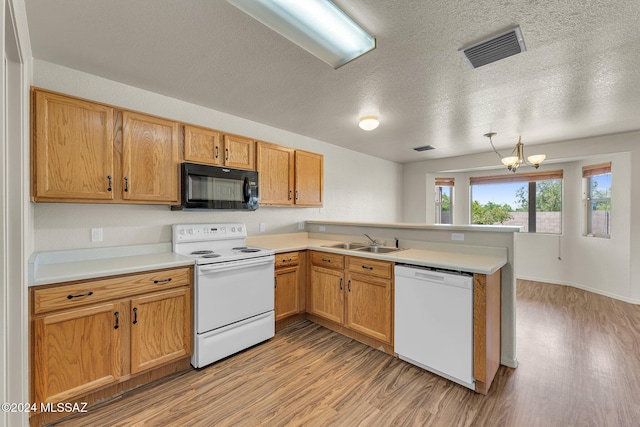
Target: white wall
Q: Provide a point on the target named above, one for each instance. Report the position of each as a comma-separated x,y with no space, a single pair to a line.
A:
357,187
600,265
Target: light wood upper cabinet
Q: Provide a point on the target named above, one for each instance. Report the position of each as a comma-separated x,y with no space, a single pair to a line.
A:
83,151
210,147
275,166
289,177
150,158
309,177
239,152
72,149
203,145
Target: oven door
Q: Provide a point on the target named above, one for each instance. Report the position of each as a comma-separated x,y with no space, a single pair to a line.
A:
229,292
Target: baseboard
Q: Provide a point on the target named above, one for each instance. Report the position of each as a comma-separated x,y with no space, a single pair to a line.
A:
584,288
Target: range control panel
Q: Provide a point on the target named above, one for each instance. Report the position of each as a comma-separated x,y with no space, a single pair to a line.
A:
197,232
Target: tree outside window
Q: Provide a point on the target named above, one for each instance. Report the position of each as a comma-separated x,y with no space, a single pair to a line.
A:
598,201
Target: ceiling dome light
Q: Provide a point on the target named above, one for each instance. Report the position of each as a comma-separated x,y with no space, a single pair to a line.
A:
368,123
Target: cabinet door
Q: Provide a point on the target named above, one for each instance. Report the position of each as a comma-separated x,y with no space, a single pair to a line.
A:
275,174
149,158
287,296
239,152
161,328
76,351
72,152
369,306
308,178
327,296
202,145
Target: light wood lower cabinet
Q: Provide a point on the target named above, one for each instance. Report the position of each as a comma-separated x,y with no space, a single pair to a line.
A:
89,335
353,292
287,285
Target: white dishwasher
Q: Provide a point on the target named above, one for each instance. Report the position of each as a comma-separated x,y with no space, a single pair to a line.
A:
433,325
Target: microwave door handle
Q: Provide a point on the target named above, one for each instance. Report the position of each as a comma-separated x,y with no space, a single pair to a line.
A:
246,190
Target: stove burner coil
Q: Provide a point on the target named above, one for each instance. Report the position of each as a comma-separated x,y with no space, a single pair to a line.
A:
211,256
239,248
249,250
204,252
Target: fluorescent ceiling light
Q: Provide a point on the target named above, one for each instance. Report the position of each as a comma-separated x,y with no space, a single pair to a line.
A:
318,26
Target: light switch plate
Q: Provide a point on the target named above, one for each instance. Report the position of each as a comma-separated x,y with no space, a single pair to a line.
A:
262,227
301,225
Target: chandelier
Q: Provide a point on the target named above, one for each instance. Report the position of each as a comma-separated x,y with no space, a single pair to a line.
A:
516,157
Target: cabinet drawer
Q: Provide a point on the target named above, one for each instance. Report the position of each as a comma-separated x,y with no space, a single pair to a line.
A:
370,266
327,260
289,259
87,292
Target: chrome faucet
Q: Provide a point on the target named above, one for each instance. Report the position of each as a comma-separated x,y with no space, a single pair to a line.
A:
373,242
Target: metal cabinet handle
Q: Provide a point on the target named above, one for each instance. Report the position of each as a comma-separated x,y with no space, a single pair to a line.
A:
126,184
341,283
226,153
162,281
290,194
275,282
109,178
216,152
326,260
117,315
297,195
135,315
349,285
88,294
367,267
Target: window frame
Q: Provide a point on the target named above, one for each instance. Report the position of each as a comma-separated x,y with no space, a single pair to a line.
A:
441,183
588,173
530,178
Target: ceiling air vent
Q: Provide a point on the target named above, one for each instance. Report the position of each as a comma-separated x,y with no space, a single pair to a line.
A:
425,148
498,47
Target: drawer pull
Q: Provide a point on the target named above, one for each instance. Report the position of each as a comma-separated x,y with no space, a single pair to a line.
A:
135,315
367,267
162,281
117,315
88,294
326,260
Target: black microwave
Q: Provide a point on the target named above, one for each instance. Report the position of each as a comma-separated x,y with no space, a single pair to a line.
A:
215,187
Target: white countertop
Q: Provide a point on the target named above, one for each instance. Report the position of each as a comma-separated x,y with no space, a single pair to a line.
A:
63,266
472,259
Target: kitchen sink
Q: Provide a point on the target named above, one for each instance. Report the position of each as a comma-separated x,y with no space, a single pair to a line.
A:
347,245
378,249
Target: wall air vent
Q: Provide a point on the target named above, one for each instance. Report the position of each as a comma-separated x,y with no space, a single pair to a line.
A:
425,148
498,47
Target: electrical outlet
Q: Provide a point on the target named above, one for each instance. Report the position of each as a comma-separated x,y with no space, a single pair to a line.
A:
262,227
457,236
96,234
301,225
321,210
322,228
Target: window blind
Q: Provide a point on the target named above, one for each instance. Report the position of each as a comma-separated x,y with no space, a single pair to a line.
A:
520,177
445,182
593,170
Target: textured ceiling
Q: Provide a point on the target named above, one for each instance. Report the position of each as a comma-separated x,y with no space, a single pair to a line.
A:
579,77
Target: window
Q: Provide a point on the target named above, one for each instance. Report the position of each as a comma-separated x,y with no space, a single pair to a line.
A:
444,200
598,185
530,200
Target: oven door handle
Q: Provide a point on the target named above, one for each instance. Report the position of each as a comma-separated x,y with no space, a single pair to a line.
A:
233,265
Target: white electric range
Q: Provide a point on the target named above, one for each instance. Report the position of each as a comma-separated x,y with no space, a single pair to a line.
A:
233,289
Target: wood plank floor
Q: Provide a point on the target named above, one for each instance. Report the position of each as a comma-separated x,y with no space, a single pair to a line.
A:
579,365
